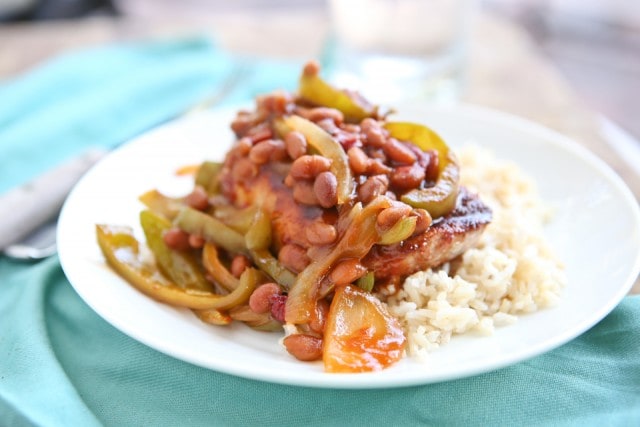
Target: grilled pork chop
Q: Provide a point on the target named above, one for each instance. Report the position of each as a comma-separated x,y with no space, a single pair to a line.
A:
445,239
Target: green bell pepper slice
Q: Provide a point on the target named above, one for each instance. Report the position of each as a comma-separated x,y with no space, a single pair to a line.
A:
440,199
315,90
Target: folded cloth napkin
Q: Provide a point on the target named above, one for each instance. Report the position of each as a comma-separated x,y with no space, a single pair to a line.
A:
62,365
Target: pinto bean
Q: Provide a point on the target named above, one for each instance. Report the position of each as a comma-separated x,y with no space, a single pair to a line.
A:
399,152
243,146
304,193
242,123
260,133
347,271
304,347
431,171
377,167
321,233
296,144
276,102
319,316
260,299
372,187
375,137
407,177
311,68
309,166
243,169
351,128
387,218
346,139
278,306
325,188
329,126
294,257
268,150
176,239
423,222
198,198
289,181
368,123
358,160
323,113
239,263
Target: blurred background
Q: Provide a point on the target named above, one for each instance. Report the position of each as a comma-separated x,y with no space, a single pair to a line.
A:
595,44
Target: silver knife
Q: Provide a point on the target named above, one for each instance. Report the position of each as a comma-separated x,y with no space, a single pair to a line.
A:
31,205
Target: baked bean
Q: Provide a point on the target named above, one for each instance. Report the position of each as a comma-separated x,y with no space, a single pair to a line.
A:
260,299
377,167
325,187
399,152
375,137
368,123
373,187
278,306
239,264
311,68
198,198
289,181
176,239
347,271
321,233
309,166
358,160
304,193
294,257
322,113
319,316
423,222
196,241
432,169
329,126
243,169
260,133
351,128
303,347
387,218
407,177
243,146
347,140
277,102
269,150
242,123
296,144
422,157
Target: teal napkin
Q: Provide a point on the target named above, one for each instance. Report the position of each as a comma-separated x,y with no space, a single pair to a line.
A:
105,96
62,365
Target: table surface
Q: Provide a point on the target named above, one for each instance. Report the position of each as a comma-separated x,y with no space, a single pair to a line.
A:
505,69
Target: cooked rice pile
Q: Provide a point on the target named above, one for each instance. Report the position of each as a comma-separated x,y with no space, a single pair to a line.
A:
512,270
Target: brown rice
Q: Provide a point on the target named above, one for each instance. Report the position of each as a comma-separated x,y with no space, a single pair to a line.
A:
512,271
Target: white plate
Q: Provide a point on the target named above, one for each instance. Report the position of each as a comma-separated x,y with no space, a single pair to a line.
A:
596,232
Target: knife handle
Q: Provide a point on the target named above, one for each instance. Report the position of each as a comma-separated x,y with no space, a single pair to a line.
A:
27,207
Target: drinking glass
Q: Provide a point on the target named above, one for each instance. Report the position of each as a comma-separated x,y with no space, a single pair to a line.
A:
400,50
